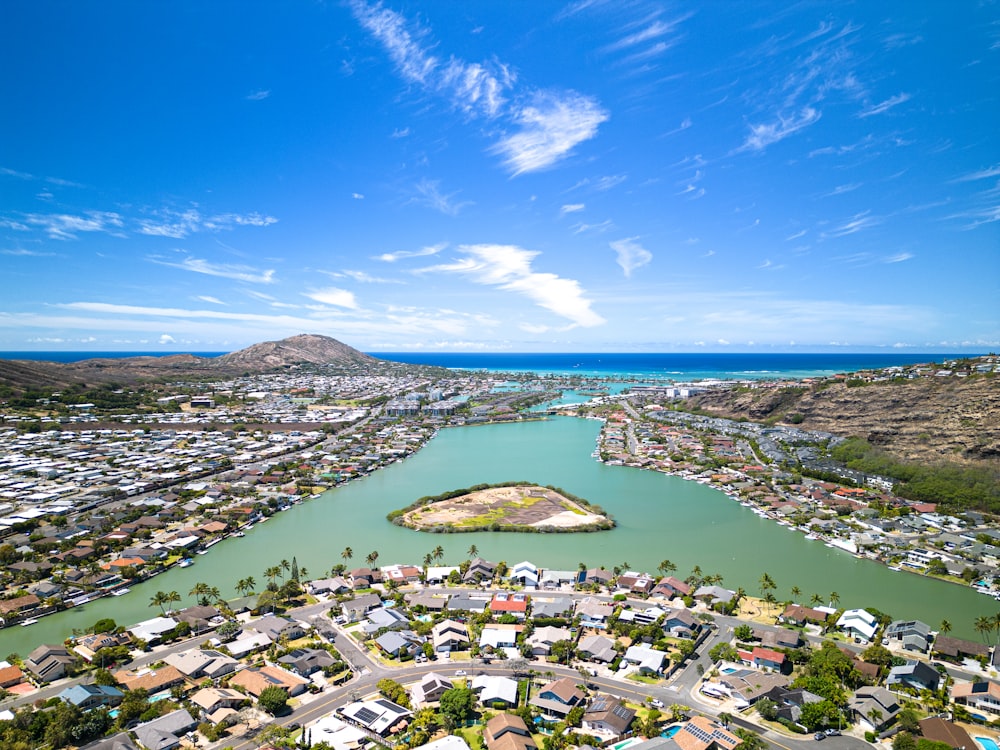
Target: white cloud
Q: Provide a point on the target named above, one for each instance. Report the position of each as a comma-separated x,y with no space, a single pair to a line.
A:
856,223
400,133
333,296
429,194
631,255
898,258
550,127
400,254
358,196
211,300
226,271
763,135
26,253
166,338
982,174
257,96
168,222
571,208
885,106
68,226
362,277
510,268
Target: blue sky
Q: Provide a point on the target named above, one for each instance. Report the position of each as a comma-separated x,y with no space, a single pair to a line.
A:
534,176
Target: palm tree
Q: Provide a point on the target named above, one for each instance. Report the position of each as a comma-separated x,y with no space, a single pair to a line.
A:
983,625
158,600
200,592
214,595
834,598
816,599
285,567
304,572
766,584
473,551
372,557
347,554
251,584
666,567
796,592
173,597
945,627
271,573
438,553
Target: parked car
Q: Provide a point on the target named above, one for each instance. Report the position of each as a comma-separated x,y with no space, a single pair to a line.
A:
832,732
819,736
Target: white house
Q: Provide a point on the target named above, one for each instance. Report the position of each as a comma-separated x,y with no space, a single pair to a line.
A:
858,623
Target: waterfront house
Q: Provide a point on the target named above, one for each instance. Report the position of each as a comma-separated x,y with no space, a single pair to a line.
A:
331,586
430,688
859,624
713,595
18,605
909,635
670,587
479,570
364,578
796,614
914,674
87,697
87,646
508,732
874,706
597,577
49,662
524,573
554,579
557,698
495,691
607,716
957,648
636,583
153,630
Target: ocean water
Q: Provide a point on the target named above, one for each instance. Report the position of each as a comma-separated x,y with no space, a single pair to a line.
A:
653,366
629,366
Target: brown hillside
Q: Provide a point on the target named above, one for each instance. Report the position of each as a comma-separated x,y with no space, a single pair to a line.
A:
928,419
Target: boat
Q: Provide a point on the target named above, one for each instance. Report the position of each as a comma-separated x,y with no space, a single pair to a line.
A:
29,621
239,533
120,592
186,562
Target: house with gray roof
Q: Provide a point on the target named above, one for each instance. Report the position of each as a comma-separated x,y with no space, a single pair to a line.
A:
277,627
306,661
914,674
120,741
358,607
430,688
560,606
909,635
495,689
197,663
875,707
91,696
165,732
49,662
384,618
649,661
449,635
398,644
597,648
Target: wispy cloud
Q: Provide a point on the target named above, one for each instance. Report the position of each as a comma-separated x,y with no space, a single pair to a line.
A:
981,174
429,194
400,133
763,135
258,95
20,251
551,126
600,184
333,296
362,277
898,258
401,254
857,223
509,268
222,270
602,226
885,106
68,226
209,299
358,196
841,189
571,208
168,222
547,124
630,254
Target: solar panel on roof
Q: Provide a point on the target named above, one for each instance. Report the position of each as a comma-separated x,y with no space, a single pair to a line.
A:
365,715
621,712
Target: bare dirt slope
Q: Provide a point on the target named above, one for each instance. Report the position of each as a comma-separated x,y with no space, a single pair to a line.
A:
928,419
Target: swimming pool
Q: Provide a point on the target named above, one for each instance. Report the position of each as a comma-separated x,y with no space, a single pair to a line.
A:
729,670
671,731
987,743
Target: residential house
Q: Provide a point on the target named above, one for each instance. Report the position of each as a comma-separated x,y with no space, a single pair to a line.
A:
384,618
607,716
430,688
400,574
495,691
150,680
796,614
197,663
165,732
980,696
636,583
256,679
713,595
789,703
247,643
541,639
211,699
87,646
10,675
306,661
91,696
355,609
514,604
554,579
957,648
914,674
423,601
597,648
463,602
558,698
940,730
777,637
680,623
364,578
593,613
153,630
524,573
597,577
874,706
643,616
277,628
508,732
329,586
49,663
909,635
501,636
701,733
859,624
670,587
747,686
479,570
381,716
449,635
649,660
399,643
120,741
561,606
200,617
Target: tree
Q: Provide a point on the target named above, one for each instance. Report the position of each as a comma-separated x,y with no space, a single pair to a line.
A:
438,553
104,677
743,633
945,627
273,699
834,598
371,558
294,575
458,704
562,651
228,630
816,599
347,554
666,567
159,599
750,740
173,597
200,592
473,551
796,592
983,625
904,741
766,584
575,716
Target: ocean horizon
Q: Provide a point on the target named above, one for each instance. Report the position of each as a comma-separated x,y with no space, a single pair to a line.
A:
630,366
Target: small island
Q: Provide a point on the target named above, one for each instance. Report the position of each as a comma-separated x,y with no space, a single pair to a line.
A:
510,506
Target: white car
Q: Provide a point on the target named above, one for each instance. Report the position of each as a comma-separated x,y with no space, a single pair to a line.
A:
460,673
656,703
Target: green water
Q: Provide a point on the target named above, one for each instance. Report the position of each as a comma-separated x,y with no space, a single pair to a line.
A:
658,517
